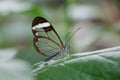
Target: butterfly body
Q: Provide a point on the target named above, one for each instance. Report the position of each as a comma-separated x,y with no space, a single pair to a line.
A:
46,40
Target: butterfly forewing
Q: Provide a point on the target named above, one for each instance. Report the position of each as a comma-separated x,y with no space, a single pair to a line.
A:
46,40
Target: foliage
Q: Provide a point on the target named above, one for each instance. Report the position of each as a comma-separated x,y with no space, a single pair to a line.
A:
96,65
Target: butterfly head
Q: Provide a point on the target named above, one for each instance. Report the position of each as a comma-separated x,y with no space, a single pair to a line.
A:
65,50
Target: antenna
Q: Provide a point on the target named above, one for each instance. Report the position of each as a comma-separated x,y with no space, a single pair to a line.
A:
69,37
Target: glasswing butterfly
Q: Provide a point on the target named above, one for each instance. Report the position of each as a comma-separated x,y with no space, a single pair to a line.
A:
46,40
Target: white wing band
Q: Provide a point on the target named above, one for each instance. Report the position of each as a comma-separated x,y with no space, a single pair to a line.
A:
41,25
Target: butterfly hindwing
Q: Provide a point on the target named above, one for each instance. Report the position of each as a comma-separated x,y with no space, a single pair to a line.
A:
46,40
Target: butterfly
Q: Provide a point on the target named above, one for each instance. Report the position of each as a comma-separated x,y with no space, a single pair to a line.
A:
46,40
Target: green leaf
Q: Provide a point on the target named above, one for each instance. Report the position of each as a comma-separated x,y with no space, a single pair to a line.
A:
96,65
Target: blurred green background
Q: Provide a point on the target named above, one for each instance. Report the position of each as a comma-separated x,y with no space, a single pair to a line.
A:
99,21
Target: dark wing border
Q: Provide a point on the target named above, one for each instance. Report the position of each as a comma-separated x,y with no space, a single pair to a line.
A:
38,20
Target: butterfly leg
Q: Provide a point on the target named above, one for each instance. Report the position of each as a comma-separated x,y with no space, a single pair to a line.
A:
47,59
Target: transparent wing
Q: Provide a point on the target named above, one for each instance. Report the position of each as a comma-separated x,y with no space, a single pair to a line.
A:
46,40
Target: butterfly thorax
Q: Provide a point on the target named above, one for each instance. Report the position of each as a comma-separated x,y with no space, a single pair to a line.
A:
65,50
